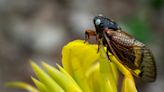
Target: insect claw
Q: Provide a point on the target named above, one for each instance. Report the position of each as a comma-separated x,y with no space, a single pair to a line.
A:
107,55
98,49
98,46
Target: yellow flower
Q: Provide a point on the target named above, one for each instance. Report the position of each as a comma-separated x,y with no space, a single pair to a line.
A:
84,70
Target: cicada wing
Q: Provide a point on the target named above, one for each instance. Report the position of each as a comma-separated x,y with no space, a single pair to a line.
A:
134,57
125,55
147,66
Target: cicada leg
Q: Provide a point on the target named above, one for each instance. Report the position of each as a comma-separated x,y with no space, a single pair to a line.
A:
88,34
108,50
98,44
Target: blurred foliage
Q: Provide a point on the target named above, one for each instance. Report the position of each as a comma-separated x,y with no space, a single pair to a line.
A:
140,29
157,4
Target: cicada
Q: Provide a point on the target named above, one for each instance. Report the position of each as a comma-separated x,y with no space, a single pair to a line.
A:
132,53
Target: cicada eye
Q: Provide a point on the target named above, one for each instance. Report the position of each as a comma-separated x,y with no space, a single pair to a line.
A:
97,22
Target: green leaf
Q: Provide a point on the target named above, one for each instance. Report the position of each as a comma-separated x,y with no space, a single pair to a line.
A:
140,29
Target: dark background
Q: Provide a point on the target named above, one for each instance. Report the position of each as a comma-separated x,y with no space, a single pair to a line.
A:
38,29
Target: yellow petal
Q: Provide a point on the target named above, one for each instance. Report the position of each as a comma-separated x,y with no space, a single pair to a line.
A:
85,53
128,84
65,82
69,77
46,79
108,82
94,78
40,85
80,61
22,85
77,58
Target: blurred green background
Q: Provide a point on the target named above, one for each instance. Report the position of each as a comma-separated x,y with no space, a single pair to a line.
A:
38,29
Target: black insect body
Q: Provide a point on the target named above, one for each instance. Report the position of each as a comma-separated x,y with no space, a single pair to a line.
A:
129,51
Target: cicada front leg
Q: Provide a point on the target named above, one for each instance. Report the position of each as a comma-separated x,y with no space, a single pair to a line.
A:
89,33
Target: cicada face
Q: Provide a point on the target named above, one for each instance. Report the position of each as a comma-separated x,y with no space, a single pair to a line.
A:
132,53
101,23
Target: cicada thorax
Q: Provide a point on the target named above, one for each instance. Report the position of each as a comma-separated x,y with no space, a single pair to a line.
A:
131,53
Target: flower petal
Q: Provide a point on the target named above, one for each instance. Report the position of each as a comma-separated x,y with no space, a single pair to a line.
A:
64,81
51,84
109,82
40,85
77,58
85,53
22,85
128,84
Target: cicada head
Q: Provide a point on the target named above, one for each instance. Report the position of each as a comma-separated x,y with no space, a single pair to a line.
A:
101,23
